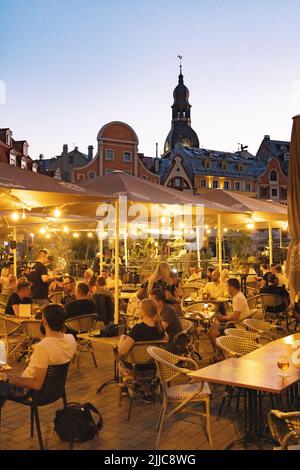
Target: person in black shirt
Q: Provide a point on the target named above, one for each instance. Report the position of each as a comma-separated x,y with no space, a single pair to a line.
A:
22,296
274,288
168,315
82,305
39,277
149,328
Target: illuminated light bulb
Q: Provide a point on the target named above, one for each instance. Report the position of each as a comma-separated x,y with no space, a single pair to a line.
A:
206,227
48,235
208,231
76,235
90,234
56,213
285,226
42,231
23,215
156,244
174,270
32,235
225,230
192,232
15,216
250,225
182,225
163,220
66,229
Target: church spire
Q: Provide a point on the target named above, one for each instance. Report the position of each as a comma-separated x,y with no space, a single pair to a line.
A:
180,78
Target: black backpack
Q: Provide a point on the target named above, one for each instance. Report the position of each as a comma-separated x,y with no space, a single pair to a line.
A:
75,423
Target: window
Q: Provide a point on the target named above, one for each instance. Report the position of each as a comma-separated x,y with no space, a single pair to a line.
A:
71,159
177,182
126,156
207,164
12,159
226,185
215,184
237,185
109,154
23,164
273,176
80,177
274,192
108,171
91,175
224,166
248,187
34,168
202,183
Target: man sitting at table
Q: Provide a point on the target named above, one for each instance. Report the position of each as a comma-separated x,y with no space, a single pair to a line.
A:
169,318
22,296
216,288
240,310
274,288
83,305
69,290
54,349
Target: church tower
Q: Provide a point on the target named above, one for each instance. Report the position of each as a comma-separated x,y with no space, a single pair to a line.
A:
181,131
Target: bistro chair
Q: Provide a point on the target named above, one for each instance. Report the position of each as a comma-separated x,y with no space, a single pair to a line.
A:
32,333
239,333
270,305
267,331
52,390
12,333
56,297
285,429
187,291
184,395
79,325
138,373
186,342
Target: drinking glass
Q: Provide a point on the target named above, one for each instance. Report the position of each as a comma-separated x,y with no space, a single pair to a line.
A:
283,364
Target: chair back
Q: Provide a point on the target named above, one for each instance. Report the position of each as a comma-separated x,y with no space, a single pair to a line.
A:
82,323
56,297
272,301
166,364
254,301
186,325
53,387
9,327
233,346
265,329
139,353
239,333
187,291
32,329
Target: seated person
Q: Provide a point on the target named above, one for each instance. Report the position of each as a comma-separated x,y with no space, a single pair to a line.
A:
69,290
209,272
22,296
215,288
263,281
54,349
196,275
101,287
169,318
58,284
283,280
149,328
240,310
83,305
274,288
110,281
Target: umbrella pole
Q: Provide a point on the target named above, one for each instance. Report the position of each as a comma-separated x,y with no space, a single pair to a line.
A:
125,249
280,238
270,244
15,251
101,247
117,240
219,242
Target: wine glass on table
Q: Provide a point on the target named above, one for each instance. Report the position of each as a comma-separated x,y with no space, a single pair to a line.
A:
283,364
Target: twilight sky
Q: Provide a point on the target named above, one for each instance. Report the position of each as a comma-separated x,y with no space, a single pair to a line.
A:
70,66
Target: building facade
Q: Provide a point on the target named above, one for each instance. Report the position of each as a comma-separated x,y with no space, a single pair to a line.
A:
15,152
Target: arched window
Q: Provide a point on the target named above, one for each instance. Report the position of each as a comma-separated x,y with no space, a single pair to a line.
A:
273,175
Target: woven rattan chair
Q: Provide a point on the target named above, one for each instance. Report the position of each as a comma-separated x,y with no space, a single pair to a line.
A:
271,302
12,333
83,324
186,342
266,330
56,297
187,291
184,394
285,429
239,333
137,372
32,333
52,390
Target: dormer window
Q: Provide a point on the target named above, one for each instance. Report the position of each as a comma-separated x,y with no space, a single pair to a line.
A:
224,166
239,168
12,159
207,164
8,138
23,164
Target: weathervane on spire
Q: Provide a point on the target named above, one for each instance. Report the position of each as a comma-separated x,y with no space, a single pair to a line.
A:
180,63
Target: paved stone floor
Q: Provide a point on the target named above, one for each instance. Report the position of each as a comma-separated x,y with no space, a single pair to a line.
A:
182,432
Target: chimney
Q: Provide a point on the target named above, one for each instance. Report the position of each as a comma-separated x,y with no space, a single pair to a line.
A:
90,152
41,156
65,148
156,165
267,137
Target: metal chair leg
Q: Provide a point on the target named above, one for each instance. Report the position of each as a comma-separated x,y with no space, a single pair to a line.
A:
130,405
31,421
38,427
161,425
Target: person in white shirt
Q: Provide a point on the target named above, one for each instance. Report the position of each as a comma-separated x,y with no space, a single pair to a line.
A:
54,349
216,288
110,282
240,310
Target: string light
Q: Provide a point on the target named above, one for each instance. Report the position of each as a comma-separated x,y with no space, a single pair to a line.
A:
66,229
57,213
250,225
76,235
285,226
15,216
48,235
23,215
208,231
225,229
90,234
42,231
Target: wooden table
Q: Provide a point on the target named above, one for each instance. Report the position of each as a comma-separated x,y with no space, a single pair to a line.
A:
256,373
113,341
